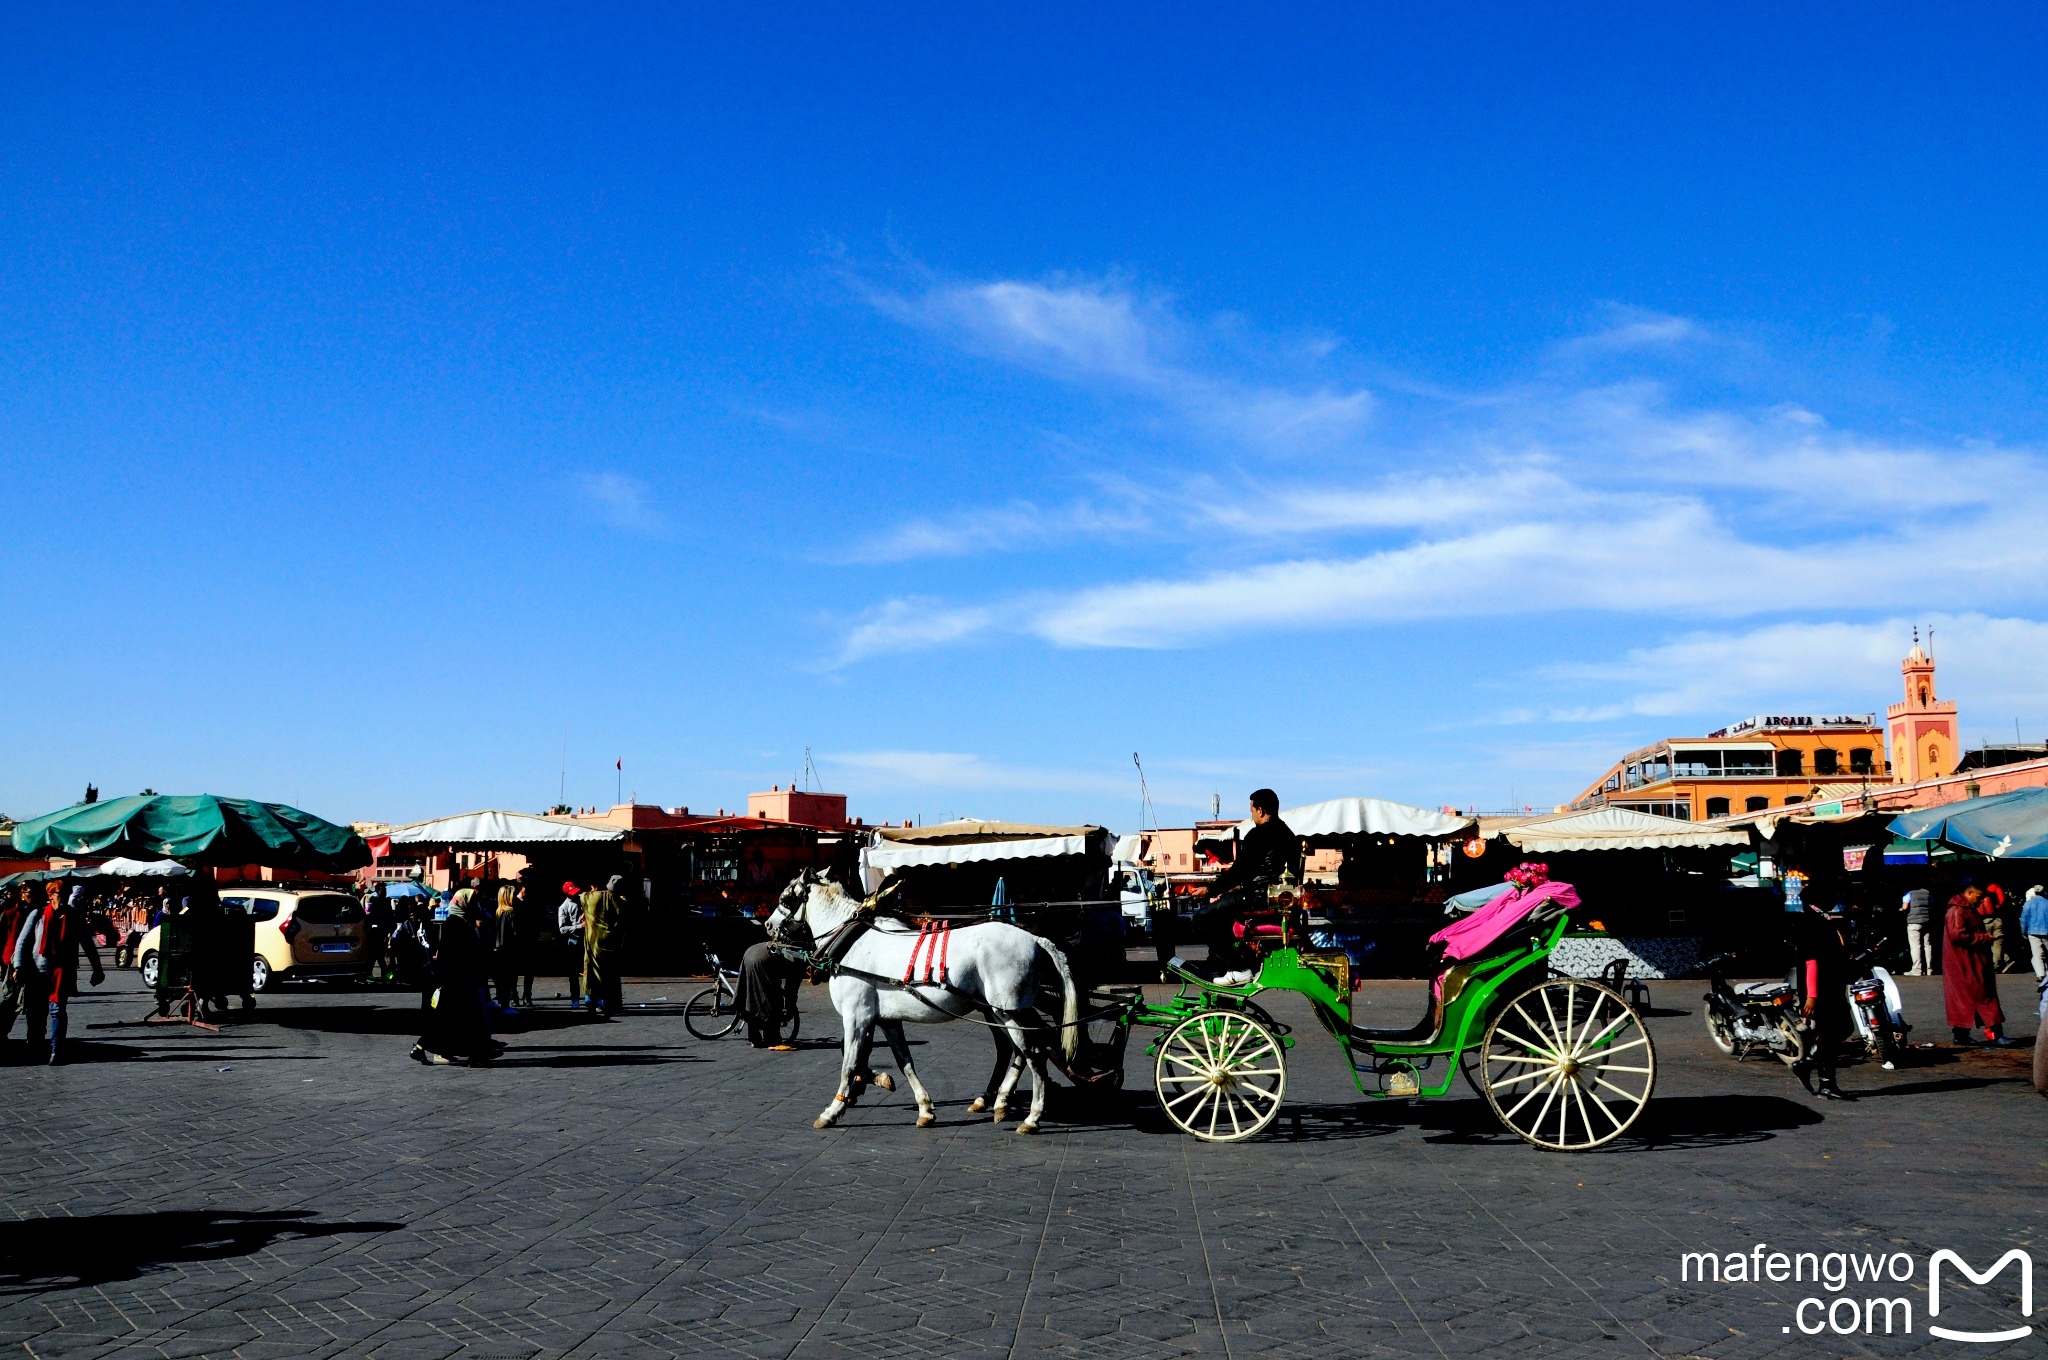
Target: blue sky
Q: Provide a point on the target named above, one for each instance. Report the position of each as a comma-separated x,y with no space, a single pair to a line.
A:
1358,401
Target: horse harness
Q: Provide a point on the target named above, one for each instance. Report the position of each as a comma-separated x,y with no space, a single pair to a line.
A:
931,947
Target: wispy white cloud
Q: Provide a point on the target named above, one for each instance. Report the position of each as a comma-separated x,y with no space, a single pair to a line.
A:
996,529
622,502
1632,328
1542,499
1103,332
1814,667
909,624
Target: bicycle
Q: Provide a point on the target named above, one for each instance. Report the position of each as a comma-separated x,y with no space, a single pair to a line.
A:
714,1012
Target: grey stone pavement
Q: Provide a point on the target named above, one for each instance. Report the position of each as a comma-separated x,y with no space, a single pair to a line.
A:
294,1187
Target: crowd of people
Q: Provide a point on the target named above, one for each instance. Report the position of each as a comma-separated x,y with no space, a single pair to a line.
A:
476,955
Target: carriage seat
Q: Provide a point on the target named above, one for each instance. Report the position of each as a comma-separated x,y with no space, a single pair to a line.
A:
1447,989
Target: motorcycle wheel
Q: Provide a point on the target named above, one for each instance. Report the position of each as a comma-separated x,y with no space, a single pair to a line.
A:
1721,1032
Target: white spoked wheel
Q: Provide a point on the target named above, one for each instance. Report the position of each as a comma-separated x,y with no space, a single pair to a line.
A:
1221,1075
1568,1065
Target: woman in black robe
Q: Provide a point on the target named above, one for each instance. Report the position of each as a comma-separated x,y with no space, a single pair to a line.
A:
456,1030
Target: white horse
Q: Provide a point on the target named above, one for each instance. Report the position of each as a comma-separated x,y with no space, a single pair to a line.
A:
989,967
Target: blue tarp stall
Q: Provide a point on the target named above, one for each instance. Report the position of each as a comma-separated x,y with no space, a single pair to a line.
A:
2003,826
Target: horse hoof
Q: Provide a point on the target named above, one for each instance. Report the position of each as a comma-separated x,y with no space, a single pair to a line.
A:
1027,1128
1000,1114
885,1081
926,1120
821,1123
980,1104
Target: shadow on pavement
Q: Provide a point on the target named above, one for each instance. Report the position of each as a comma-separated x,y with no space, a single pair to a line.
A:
79,1051
594,1055
1686,1122
374,1019
1927,1088
1681,1122
40,1254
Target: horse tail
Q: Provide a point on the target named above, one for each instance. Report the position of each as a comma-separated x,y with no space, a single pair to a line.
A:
1070,1009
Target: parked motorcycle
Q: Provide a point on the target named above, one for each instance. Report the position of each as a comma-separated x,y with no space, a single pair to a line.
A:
1753,1017
1765,1016
1880,1016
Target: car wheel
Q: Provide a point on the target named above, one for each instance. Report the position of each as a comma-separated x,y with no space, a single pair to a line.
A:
259,975
152,969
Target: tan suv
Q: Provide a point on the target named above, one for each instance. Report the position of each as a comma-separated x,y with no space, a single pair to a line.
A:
300,933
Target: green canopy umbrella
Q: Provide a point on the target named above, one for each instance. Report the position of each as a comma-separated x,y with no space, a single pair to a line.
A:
200,829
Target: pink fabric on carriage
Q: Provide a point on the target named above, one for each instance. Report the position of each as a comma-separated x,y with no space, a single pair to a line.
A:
1480,931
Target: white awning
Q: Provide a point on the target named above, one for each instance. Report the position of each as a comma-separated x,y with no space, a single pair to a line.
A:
499,829
1613,828
143,868
1129,849
901,855
1365,817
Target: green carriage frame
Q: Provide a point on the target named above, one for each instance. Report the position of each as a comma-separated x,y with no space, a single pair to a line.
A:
1565,1063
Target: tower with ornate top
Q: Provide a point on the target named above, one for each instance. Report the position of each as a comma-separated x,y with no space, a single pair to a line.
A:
1925,737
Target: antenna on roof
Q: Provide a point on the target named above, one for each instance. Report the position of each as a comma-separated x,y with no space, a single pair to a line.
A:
1916,635
1930,642
1144,796
811,780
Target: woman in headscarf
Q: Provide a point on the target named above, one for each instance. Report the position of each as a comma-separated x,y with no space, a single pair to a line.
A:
1968,985
456,1031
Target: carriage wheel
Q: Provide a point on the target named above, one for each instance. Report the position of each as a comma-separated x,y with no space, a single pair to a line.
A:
1221,1076
1568,1065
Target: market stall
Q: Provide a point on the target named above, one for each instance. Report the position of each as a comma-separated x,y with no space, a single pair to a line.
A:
1052,880
1656,886
206,953
1377,874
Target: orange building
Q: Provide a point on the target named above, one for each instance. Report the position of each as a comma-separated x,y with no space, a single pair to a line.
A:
1925,737
1773,761
792,804
1768,761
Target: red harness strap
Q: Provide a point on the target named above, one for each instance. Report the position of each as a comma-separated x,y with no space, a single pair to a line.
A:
931,942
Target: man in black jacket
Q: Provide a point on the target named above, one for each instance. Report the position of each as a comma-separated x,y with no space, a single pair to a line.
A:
1267,851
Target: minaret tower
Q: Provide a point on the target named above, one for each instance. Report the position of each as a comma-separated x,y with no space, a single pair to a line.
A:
1925,738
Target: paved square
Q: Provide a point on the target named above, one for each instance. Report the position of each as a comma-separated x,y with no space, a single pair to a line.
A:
294,1187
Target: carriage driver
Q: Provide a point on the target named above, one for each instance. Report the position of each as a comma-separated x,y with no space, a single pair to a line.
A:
1267,851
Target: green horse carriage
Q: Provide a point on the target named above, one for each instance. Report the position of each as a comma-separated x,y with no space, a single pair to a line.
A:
1565,1063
